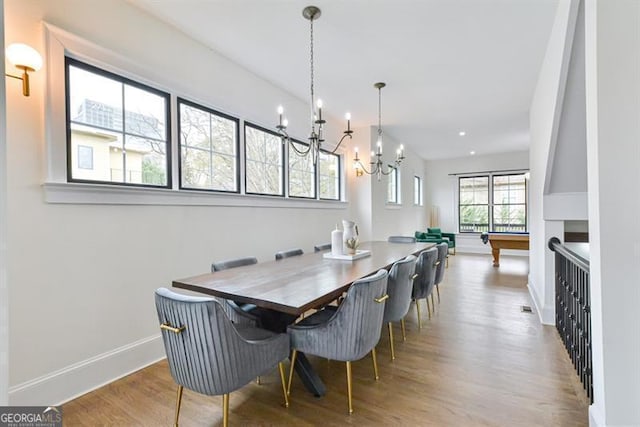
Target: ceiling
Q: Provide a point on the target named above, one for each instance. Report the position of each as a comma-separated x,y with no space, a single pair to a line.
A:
449,65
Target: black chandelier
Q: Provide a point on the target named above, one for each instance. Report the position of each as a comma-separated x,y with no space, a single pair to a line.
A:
316,137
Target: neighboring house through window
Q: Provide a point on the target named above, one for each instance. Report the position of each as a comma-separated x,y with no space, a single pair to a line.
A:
125,123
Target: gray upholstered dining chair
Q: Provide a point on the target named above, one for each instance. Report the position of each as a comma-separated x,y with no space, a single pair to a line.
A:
288,253
401,239
399,289
443,254
347,333
208,354
323,247
423,285
239,313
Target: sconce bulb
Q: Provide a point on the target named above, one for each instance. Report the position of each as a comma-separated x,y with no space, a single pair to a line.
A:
22,55
280,109
285,122
347,116
356,150
319,103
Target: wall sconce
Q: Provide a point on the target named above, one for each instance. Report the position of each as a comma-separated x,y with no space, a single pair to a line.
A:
359,171
26,59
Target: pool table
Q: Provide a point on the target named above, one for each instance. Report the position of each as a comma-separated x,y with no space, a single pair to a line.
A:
505,241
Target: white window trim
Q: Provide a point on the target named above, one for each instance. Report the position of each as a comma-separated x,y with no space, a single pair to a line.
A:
56,189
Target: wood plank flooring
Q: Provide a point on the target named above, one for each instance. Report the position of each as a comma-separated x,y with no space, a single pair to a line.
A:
479,361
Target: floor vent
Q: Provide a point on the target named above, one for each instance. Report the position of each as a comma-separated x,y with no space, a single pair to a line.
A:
526,309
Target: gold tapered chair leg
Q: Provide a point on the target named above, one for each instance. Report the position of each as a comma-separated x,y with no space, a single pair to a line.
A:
418,311
404,331
293,363
438,291
428,308
349,386
178,402
225,410
393,354
433,304
375,363
284,385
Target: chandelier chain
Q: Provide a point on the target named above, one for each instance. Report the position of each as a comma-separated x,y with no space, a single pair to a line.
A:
379,111
313,127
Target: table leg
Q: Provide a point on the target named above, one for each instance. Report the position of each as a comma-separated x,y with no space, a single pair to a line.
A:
309,377
496,256
277,322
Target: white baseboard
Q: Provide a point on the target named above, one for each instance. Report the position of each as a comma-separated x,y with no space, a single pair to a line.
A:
545,314
595,417
75,380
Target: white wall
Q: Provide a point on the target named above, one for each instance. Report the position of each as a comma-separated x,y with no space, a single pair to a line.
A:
82,276
441,190
4,292
395,219
545,114
613,132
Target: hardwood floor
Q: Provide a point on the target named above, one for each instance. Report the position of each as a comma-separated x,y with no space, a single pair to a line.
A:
479,361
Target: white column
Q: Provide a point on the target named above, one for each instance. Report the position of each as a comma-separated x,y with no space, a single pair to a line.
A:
613,148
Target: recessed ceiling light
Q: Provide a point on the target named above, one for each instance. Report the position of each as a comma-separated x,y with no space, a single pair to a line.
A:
462,133
472,152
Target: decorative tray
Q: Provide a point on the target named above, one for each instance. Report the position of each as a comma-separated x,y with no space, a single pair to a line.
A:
359,254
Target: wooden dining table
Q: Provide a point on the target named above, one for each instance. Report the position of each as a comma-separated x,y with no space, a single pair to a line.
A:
289,287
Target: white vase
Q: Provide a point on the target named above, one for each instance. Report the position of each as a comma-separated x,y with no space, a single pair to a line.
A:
349,233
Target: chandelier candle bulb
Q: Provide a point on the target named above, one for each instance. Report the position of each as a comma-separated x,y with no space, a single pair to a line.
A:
280,112
319,104
285,123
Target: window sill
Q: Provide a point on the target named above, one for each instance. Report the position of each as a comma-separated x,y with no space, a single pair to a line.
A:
390,205
99,194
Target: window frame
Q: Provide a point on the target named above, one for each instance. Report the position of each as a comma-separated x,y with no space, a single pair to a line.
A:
396,176
490,200
316,172
525,204
70,61
211,111
488,205
339,170
420,201
282,157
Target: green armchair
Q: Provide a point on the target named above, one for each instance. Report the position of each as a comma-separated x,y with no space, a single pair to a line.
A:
435,235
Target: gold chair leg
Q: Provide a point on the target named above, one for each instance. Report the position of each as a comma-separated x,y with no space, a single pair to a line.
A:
446,264
393,354
404,331
225,410
284,385
349,386
178,402
433,304
293,363
428,308
375,364
438,291
418,311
